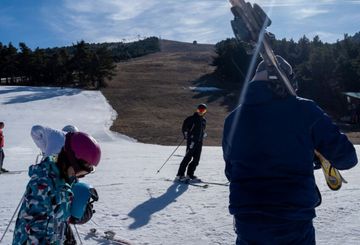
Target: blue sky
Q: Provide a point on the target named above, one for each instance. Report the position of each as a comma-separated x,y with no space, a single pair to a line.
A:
51,23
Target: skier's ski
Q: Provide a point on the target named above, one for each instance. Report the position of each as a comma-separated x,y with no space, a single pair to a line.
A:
256,22
332,176
215,183
13,172
196,182
189,182
109,236
249,26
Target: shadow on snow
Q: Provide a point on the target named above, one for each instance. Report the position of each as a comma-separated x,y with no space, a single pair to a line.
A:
36,93
142,213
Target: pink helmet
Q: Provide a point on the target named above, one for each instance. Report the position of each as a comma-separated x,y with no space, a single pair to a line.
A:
81,147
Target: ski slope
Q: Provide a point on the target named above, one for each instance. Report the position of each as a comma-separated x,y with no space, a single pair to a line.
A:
136,202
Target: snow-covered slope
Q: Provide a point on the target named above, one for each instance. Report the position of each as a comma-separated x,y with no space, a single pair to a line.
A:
136,202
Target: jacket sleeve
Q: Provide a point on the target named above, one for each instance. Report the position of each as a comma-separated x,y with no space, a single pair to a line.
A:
186,127
226,151
331,143
38,211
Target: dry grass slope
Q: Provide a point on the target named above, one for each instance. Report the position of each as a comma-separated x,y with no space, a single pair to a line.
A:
152,97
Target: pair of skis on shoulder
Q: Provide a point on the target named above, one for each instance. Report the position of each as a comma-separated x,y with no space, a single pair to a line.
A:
249,26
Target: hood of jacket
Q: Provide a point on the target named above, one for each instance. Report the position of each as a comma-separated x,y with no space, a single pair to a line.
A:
50,141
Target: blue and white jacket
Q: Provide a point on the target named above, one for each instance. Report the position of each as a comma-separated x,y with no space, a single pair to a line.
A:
45,209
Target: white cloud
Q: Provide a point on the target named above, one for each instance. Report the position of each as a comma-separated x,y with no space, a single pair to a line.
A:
295,3
325,36
80,6
308,12
183,20
116,10
97,20
6,19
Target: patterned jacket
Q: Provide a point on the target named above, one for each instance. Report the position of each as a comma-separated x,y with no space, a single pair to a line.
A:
45,209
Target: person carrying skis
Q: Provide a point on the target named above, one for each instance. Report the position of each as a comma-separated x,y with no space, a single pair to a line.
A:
2,154
46,206
268,146
193,129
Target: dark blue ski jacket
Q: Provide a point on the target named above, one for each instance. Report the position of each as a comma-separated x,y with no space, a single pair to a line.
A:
268,146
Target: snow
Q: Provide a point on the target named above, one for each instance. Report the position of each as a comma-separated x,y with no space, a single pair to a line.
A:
205,89
136,202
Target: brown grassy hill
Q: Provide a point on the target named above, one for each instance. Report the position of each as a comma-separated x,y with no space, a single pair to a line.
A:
152,97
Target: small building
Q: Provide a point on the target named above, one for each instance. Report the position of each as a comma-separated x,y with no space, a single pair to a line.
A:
353,101
352,97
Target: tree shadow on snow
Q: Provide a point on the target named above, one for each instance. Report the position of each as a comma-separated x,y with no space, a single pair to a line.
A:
36,93
142,213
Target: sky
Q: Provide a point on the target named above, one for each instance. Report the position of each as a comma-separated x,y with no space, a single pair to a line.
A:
54,23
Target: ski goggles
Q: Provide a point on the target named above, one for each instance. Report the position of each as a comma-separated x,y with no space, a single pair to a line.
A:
85,167
80,166
82,169
202,111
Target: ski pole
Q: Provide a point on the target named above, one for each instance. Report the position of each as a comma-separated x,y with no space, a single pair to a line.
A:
94,223
7,227
18,206
170,155
78,234
37,157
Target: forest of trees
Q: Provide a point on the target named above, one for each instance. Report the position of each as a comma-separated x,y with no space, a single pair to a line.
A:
323,71
80,65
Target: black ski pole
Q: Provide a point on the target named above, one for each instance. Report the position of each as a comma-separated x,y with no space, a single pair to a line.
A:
78,234
170,155
17,208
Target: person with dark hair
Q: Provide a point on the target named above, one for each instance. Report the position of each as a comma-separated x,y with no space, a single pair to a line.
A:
2,143
268,147
45,211
193,129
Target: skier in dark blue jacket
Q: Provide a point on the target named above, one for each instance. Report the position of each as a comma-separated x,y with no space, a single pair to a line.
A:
193,129
268,146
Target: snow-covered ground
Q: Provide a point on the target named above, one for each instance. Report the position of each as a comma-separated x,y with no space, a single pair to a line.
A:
136,202
205,89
